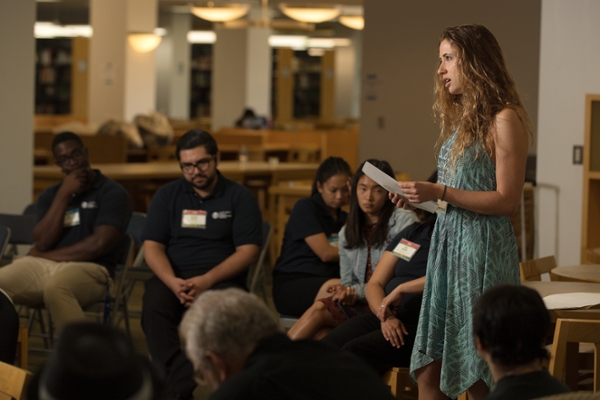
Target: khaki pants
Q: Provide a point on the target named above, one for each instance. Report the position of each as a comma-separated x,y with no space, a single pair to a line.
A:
63,287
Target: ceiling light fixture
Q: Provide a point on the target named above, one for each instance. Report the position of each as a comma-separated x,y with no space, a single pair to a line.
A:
311,14
143,42
353,21
221,13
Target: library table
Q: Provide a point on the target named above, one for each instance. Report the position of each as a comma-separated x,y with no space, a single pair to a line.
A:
577,273
554,287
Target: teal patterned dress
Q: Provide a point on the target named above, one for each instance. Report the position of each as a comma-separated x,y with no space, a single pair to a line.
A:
469,253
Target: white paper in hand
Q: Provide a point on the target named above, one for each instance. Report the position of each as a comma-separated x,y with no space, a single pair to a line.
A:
391,185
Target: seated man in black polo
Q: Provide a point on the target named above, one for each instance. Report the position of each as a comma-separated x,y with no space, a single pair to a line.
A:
203,231
78,238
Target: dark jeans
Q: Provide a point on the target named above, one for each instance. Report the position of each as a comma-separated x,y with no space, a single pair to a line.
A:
362,336
161,314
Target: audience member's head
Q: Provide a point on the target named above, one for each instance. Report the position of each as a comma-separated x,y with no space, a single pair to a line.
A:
195,138
329,168
356,217
69,152
95,362
510,325
63,137
221,329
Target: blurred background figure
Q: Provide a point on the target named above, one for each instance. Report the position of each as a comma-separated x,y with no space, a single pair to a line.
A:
249,120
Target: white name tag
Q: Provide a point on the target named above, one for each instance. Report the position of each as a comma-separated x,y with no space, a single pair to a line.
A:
193,219
406,249
71,218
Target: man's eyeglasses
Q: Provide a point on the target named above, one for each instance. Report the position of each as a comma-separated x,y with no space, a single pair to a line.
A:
202,165
76,155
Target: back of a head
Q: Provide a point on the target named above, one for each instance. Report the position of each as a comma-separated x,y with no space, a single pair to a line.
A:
512,323
228,322
329,167
196,138
94,361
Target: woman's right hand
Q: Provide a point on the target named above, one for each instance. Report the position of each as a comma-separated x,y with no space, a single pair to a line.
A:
392,299
400,201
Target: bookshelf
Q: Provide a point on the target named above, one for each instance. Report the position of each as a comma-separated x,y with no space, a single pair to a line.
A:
61,77
53,76
304,85
590,237
201,80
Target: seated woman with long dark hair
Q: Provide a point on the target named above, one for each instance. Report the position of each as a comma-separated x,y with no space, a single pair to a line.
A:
384,337
309,255
372,223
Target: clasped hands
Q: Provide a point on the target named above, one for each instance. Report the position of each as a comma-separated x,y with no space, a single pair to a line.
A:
345,295
187,290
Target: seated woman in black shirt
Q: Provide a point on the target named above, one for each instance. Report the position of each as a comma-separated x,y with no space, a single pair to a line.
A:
385,336
309,254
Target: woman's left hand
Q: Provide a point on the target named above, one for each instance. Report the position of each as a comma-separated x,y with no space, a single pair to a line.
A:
420,192
393,331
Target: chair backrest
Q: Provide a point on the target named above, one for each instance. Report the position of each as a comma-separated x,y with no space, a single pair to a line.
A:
258,269
21,227
13,381
532,270
135,229
4,237
593,256
136,226
565,349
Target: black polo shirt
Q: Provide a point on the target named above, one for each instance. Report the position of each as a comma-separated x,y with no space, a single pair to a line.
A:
309,217
415,268
232,218
105,203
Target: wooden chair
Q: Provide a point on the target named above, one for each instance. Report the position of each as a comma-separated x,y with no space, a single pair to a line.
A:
565,350
400,383
22,359
532,270
593,256
13,382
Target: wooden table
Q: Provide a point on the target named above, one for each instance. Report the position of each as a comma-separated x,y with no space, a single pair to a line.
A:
577,273
142,178
553,287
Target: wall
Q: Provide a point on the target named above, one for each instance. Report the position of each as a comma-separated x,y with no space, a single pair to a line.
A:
173,67
16,104
400,55
569,59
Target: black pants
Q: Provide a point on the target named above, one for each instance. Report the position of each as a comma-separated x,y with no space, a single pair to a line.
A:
293,294
362,336
161,314
9,330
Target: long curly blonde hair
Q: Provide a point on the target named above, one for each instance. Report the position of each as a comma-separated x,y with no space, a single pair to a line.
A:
487,89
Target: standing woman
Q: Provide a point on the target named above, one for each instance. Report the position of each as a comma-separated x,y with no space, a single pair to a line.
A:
309,255
481,170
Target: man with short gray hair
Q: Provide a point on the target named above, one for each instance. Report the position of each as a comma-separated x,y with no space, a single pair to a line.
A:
236,347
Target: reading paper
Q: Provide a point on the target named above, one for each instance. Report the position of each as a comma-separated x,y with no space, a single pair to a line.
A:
391,185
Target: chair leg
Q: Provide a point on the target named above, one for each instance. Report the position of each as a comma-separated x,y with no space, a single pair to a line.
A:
23,348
